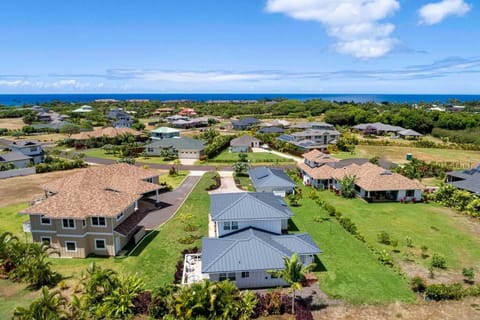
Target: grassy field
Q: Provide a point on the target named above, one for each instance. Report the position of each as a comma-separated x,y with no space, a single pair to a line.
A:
398,154
100,153
11,220
12,123
176,180
245,182
348,270
440,229
227,157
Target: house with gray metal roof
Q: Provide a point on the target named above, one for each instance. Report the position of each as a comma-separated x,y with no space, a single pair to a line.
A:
119,118
244,124
164,132
17,158
235,211
247,255
409,134
468,180
31,148
377,128
185,148
266,179
244,143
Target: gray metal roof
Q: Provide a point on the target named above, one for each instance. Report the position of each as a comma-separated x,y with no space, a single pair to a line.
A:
410,132
13,156
270,177
25,143
243,141
253,249
271,130
378,126
245,122
470,180
178,143
248,206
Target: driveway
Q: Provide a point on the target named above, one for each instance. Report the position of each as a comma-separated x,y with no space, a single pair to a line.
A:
280,154
228,184
170,203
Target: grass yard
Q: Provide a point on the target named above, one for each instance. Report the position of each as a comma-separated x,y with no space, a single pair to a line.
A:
175,180
352,273
398,154
256,158
100,153
12,221
440,229
244,182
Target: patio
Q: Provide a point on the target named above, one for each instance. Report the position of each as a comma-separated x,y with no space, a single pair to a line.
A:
192,269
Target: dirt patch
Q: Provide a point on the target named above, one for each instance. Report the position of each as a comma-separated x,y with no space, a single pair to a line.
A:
413,269
23,189
11,123
465,309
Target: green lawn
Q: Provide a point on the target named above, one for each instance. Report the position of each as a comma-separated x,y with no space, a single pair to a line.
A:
431,225
228,158
100,153
11,220
398,154
175,180
348,270
245,182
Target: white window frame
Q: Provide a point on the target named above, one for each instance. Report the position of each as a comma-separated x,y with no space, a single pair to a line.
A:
98,225
227,226
42,240
66,246
45,224
70,228
234,225
95,243
245,274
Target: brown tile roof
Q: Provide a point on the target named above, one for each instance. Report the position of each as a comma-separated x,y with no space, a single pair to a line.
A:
369,177
318,156
105,191
109,132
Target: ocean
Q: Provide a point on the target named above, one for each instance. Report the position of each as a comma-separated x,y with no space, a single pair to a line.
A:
21,99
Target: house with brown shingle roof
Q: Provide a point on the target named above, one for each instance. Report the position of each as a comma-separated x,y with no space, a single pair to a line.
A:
372,182
96,211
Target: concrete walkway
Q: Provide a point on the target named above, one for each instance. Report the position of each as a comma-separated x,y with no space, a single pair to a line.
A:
228,183
170,203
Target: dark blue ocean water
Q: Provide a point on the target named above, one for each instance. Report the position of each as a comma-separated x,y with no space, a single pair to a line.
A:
20,99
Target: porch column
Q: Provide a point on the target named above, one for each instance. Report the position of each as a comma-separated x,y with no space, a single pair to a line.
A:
136,205
156,196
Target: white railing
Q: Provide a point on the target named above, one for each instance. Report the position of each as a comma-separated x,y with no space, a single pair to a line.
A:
192,268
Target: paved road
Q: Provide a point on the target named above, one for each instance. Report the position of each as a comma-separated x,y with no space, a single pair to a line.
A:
171,202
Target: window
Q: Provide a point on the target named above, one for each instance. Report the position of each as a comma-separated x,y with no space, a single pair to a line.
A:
245,274
71,246
33,149
273,276
410,193
231,276
120,216
46,240
45,221
227,276
100,244
99,222
150,180
149,149
84,223
230,225
222,276
68,223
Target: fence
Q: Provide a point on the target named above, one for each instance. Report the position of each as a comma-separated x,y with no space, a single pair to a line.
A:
17,172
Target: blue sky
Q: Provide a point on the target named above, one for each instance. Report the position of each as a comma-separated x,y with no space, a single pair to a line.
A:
274,46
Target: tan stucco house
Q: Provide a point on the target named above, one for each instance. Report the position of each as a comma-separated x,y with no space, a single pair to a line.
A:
95,211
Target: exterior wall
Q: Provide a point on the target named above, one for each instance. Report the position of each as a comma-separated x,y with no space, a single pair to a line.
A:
123,123
274,226
189,154
276,190
403,194
28,150
256,279
155,151
163,135
240,149
21,163
17,172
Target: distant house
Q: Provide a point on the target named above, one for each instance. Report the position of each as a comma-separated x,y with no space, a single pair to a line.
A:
244,144
312,138
16,158
313,126
176,117
83,109
190,123
409,134
377,128
162,111
244,124
276,123
468,180
101,133
271,180
235,211
246,256
184,148
187,112
163,133
119,118
271,130
372,182
31,148
96,211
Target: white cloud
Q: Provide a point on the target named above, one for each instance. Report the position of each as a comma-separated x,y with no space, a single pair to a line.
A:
355,24
435,12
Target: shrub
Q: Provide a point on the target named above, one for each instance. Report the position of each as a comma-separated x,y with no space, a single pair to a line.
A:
438,261
469,275
440,292
409,242
384,238
385,258
418,284
424,252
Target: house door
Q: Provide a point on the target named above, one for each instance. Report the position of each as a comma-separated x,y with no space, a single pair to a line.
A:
118,245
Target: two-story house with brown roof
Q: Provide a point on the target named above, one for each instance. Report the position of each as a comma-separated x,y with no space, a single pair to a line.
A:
96,211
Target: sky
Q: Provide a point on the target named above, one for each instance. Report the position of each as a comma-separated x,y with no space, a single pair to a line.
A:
233,46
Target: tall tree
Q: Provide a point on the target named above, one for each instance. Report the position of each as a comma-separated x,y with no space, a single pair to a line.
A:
293,274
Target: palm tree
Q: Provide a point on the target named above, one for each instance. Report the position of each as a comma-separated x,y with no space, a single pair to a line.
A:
50,305
99,283
293,274
347,186
7,251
